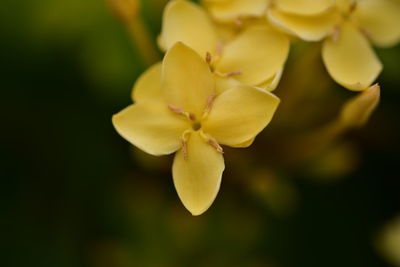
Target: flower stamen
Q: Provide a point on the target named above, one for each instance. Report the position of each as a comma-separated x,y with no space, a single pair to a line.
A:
176,110
210,102
336,34
212,142
220,47
184,149
215,145
209,105
353,7
192,116
184,141
180,111
208,58
229,74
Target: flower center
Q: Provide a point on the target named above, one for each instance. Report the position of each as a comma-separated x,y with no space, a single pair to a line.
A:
196,126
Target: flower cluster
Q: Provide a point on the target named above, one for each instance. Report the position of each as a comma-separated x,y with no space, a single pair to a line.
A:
225,57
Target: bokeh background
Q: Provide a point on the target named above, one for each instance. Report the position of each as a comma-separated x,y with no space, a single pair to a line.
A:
74,193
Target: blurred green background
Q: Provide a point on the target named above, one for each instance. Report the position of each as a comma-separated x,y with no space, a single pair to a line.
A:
74,193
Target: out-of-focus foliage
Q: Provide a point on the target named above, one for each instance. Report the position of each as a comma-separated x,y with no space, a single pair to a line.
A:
74,193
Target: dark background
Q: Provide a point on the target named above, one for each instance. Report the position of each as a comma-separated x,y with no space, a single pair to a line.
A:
74,193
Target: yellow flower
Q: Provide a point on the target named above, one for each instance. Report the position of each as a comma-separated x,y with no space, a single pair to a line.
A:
388,241
346,28
177,109
255,56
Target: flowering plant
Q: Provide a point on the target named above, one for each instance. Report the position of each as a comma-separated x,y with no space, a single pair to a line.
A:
225,57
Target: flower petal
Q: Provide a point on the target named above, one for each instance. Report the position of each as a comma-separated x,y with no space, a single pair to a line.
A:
187,79
187,22
245,144
225,83
309,28
381,20
273,82
151,127
304,7
239,114
357,111
148,85
234,9
350,59
346,6
197,177
258,53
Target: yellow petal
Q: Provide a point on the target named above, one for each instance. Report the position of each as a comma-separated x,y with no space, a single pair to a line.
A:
258,53
187,22
239,114
245,144
197,177
273,82
380,19
148,85
350,59
234,9
357,111
187,79
304,7
309,28
215,1
225,83
151,127
345,6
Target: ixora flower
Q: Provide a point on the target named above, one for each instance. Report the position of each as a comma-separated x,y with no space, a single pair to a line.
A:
177,109
346,27
255,56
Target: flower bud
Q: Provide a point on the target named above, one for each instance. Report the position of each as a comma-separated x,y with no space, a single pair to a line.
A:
356,112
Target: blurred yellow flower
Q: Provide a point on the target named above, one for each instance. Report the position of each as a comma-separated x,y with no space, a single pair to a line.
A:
357,111
255,56
178,109
388,241
346,28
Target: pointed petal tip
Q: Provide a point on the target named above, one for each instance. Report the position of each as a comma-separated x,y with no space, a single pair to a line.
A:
357,111
199,212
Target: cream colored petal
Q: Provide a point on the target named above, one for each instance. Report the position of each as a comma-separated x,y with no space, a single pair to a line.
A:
245,144
350,60
215,1
273,82
345,6
258,53
186,22
148,85
309,28
358,110
234,9
197,177
187,79
380,19
304,7
225,83
239,114
151,127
